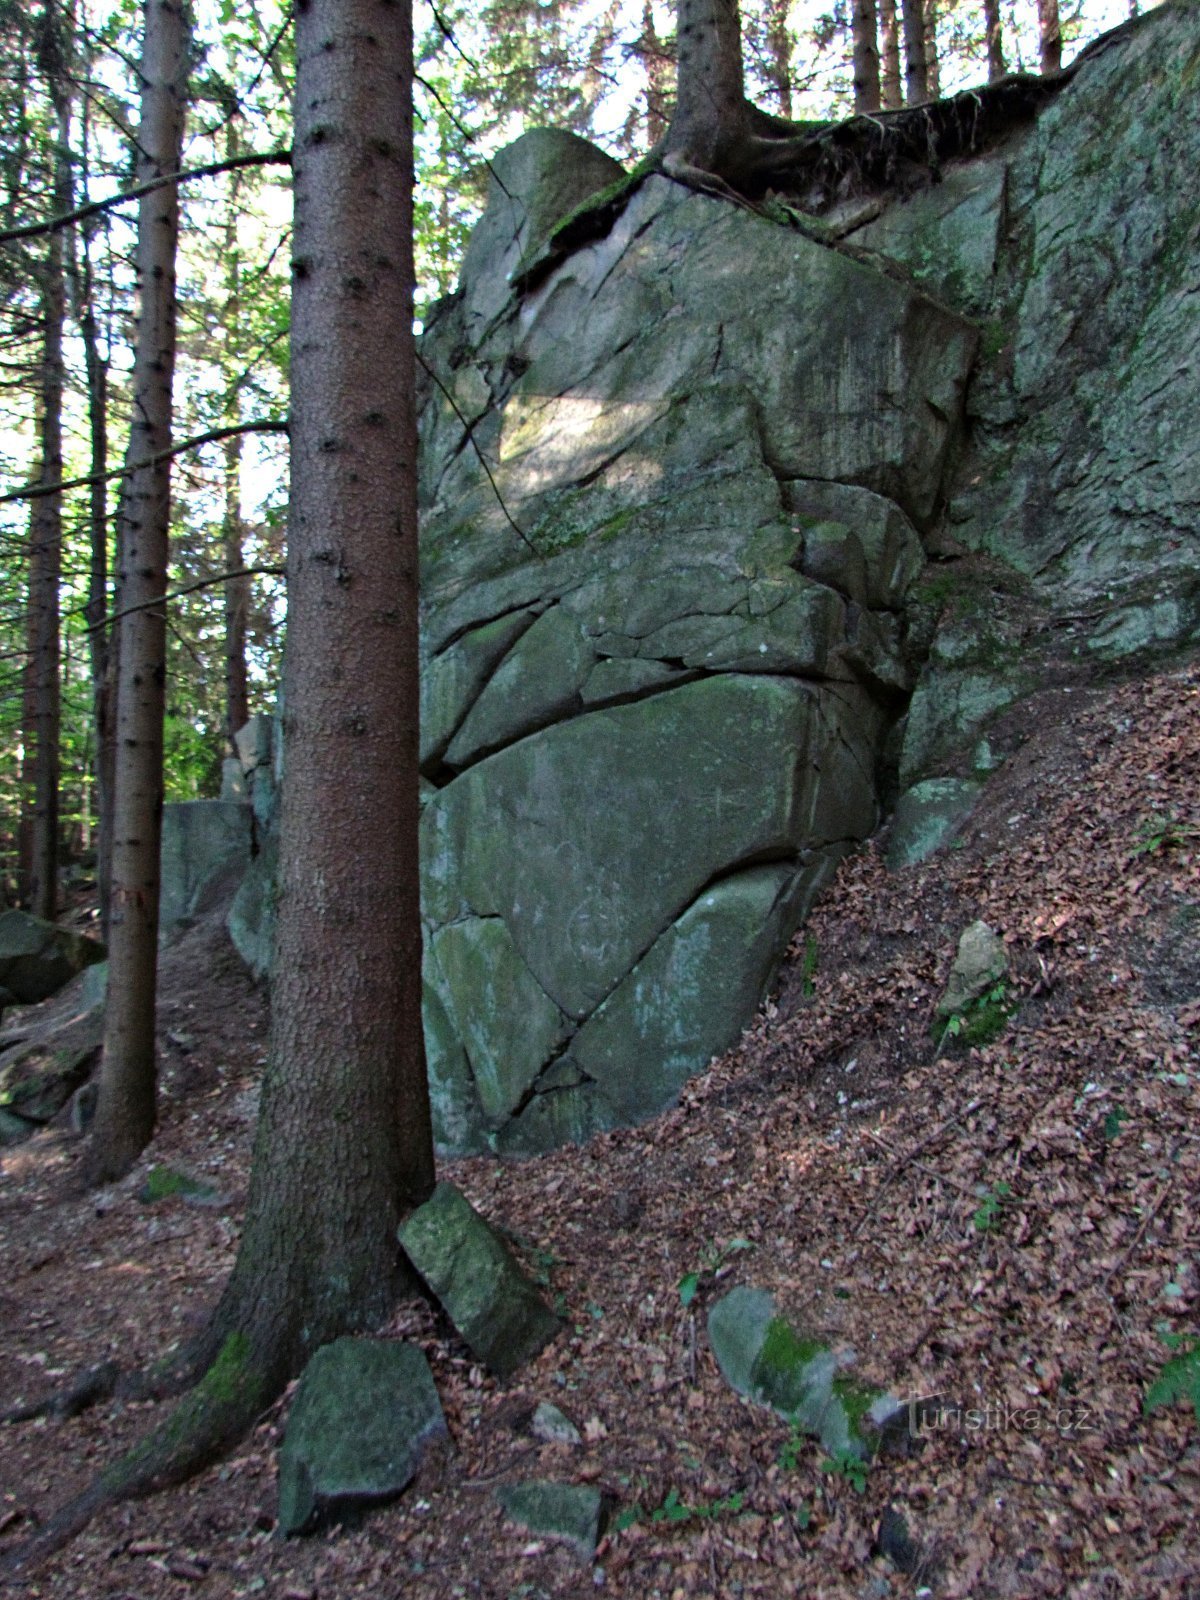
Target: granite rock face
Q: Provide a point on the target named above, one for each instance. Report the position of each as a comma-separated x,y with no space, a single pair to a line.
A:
731,534
662,654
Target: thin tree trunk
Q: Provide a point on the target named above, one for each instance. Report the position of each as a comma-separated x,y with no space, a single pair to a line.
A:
237,590
125,1112
779,53
997,66
889,39
932,64
1050,36
45,556
82,280
864,26
45,575
916,70
654,64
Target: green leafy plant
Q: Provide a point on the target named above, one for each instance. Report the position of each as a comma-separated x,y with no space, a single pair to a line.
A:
792,1449
1162,830
1180,1375
991,1205
808,967
983,1020
713,1259
851,1468
675,1509
1114,1122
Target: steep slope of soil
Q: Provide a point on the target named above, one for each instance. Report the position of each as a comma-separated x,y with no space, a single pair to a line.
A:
1005,1227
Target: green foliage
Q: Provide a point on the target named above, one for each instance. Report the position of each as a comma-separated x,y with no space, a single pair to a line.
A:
808,967
982,1022
1180,1375
848,1466
163,1183
712,1260
675,1509
1162,831
991,1206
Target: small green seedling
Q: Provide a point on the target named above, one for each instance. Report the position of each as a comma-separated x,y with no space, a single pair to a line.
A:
851,1468
675,1509
1162,831
991,1204
1114,1122
715,1257
1180,1376
982,1021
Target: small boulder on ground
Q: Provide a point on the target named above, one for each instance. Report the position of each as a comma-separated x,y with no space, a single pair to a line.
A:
980,963
365,1413
37,958
483,1291
567,1511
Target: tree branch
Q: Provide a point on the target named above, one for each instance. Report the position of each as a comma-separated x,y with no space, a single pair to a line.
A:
177,594
35,491
30,230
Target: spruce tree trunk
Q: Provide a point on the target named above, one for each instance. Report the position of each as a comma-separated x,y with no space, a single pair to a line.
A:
344,1145
779,51
916,70
932,63
45,572
1050,37
864,26
711,120
125,1111
997,66
45,555
237,590
889,40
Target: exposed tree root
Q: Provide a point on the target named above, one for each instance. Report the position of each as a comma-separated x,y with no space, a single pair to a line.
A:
234,1391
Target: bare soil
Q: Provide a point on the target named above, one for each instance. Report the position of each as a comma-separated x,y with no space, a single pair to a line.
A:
1010,1228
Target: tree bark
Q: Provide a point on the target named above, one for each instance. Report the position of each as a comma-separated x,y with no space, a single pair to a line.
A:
711,120
997,66
237,589
864,26
126,1108
916,68
889,38
779,54
45,555
1050,37
932,60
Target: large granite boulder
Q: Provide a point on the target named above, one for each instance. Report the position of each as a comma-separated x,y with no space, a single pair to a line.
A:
37,958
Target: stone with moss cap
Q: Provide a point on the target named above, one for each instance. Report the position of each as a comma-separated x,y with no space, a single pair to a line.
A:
364,1415
764,1358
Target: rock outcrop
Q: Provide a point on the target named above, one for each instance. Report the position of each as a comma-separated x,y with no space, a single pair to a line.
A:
707,500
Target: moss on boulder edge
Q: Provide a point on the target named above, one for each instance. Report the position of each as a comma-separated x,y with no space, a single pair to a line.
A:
767,1360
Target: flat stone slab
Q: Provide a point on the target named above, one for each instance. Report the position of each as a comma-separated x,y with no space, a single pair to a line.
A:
567,1511
364,1414
764,1358
483,1291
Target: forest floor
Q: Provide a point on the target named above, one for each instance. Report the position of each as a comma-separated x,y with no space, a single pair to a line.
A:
1010,1227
